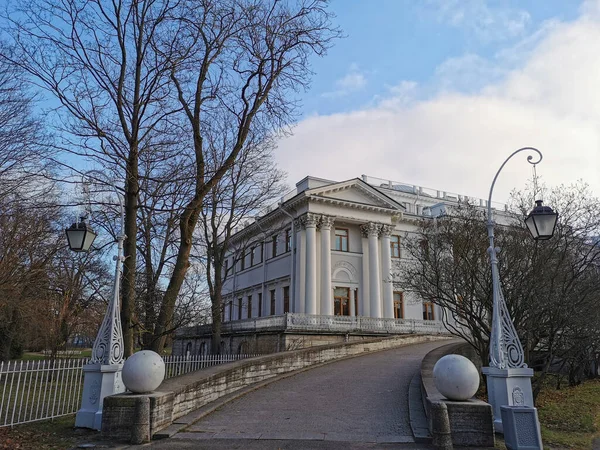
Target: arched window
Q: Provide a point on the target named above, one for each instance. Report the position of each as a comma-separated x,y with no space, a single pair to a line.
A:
188,349
202,350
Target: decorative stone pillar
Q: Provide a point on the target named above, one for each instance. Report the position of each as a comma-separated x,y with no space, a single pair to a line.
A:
364,308
386,272
326,293
299,297
372,230
310,290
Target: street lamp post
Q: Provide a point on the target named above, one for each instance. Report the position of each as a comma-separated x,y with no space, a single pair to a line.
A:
508,377
102,375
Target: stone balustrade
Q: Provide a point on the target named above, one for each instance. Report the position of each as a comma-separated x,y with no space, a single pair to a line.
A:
296,322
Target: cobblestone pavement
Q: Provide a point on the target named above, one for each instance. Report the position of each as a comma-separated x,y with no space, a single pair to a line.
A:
358,403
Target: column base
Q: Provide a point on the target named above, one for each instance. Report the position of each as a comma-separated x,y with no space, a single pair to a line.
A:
507,387
100,380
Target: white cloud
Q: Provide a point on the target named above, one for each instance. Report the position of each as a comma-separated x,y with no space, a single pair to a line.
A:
482,21
353,81
455,141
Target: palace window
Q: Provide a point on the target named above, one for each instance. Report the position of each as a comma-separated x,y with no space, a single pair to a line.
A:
260,250
249,306
428,311
341,301
273,302
230,310
398,305
274,246
341,239
239,308
260,304
252,250
243,261
395,246
288,240
286,299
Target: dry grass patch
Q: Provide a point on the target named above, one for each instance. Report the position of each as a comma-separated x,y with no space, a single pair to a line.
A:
570,417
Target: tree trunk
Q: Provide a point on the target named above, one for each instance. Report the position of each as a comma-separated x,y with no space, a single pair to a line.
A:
130,249
217,318
182,263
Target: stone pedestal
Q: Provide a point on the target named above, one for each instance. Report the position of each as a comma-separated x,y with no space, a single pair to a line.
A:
100,380
507,387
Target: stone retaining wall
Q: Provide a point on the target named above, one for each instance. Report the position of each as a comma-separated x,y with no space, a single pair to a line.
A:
471,422
181,395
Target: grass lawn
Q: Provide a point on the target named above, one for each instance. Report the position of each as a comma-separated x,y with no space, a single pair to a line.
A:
58,434
570,417
71,354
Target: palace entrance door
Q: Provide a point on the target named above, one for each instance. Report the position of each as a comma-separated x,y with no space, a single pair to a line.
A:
341,301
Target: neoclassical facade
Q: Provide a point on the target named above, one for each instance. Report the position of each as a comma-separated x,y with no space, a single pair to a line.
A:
329,249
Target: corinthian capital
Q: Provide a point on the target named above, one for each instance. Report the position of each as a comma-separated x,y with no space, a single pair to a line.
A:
387,230
310,220
370,229
327,222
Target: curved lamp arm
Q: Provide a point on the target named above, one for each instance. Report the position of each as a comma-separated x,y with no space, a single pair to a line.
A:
529,160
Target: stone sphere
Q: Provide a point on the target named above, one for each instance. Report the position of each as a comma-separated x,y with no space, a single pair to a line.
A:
456,377
143,371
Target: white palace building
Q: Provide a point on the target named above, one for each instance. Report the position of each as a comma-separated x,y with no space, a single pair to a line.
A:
317,268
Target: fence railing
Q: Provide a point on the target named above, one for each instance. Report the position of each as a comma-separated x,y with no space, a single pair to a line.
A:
40,390
180,365
37,390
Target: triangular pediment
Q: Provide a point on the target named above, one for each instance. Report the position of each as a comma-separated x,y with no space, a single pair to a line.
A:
357,192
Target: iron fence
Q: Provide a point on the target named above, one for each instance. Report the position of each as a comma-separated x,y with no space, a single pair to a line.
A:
180,365
41,390
37,390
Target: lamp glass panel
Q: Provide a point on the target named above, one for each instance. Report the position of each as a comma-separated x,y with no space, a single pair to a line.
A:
545,224
531,226
75,238
90,236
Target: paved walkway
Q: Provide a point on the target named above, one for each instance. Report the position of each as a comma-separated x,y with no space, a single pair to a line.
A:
358,403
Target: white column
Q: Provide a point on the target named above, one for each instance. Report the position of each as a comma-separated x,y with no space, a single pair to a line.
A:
364,307
352,300
310,222
386,272
326,293
300,267
374,273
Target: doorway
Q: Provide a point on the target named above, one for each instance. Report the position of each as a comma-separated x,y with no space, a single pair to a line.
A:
341,301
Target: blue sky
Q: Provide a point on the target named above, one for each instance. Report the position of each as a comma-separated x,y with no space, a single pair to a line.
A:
390,41
438,92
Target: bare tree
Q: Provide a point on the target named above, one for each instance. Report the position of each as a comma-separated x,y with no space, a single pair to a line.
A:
550,287
251,184
97,60
23,156
235,65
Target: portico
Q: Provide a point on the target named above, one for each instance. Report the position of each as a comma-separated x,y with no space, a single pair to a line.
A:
371,278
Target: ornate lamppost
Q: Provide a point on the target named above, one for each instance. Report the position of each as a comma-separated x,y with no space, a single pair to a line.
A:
102,375
508,377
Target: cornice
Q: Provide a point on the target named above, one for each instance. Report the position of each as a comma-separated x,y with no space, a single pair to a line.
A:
351,204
